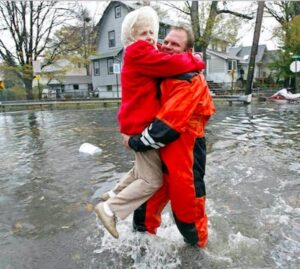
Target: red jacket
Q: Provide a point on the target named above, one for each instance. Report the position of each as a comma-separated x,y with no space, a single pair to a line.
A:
186,105
142,66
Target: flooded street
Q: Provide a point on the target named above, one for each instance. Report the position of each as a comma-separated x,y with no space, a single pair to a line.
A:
48,189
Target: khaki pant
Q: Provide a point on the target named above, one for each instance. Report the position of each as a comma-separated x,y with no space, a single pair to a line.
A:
138,185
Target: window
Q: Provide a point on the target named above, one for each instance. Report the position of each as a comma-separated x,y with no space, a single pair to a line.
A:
111,39
97,68
75,87
162,32
110,66
232,65
109,88
117,11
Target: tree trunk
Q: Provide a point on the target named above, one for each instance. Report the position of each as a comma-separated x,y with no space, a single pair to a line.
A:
28,88
201,43
195,25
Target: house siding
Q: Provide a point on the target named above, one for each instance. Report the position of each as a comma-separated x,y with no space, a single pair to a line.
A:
104,79
217,70
109,23
216,65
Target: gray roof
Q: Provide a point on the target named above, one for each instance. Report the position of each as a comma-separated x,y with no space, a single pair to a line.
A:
244,53
111,53
234,51
71,80
223,55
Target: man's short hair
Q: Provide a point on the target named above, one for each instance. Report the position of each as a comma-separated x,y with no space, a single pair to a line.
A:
189,32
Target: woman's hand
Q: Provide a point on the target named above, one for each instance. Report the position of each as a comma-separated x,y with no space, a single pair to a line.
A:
125,140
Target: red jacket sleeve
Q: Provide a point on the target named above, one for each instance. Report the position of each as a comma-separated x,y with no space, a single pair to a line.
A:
144,58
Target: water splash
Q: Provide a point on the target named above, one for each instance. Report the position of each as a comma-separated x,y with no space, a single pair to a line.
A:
145,250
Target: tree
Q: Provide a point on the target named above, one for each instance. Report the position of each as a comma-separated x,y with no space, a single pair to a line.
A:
283,11
287,13
294,27
75,42
204,35
30,25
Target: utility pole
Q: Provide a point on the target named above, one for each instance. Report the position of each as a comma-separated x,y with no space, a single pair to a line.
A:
259,17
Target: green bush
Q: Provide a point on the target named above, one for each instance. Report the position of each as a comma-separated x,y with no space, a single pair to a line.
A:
12,94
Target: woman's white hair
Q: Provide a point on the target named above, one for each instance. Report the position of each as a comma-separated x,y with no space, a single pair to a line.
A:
144,15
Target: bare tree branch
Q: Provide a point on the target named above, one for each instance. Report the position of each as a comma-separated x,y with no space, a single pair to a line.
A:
237,14
169,4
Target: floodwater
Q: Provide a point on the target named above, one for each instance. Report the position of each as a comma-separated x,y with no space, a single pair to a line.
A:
48,189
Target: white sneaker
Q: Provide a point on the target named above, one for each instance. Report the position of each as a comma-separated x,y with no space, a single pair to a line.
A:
105,196
109,222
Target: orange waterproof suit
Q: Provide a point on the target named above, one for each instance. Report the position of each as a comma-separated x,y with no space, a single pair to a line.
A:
186,107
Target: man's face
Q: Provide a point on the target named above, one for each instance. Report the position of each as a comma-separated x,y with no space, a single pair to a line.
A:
175,42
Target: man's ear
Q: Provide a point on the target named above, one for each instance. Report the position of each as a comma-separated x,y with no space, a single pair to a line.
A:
189,50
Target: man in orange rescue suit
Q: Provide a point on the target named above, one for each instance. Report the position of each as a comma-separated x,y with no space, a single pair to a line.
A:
178,130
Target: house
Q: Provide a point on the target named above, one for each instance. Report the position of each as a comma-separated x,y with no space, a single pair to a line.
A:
107,62
261,61
225,66
67,79
221,67
71,86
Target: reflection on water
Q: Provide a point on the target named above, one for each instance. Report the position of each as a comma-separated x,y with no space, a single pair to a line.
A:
47,188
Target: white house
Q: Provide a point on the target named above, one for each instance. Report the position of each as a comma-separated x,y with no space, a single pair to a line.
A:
220,65
67,79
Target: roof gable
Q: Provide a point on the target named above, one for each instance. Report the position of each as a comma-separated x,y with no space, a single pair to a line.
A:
109,7
223,55
244,53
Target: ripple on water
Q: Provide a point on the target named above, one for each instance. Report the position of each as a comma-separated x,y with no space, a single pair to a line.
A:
244,249
283,221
